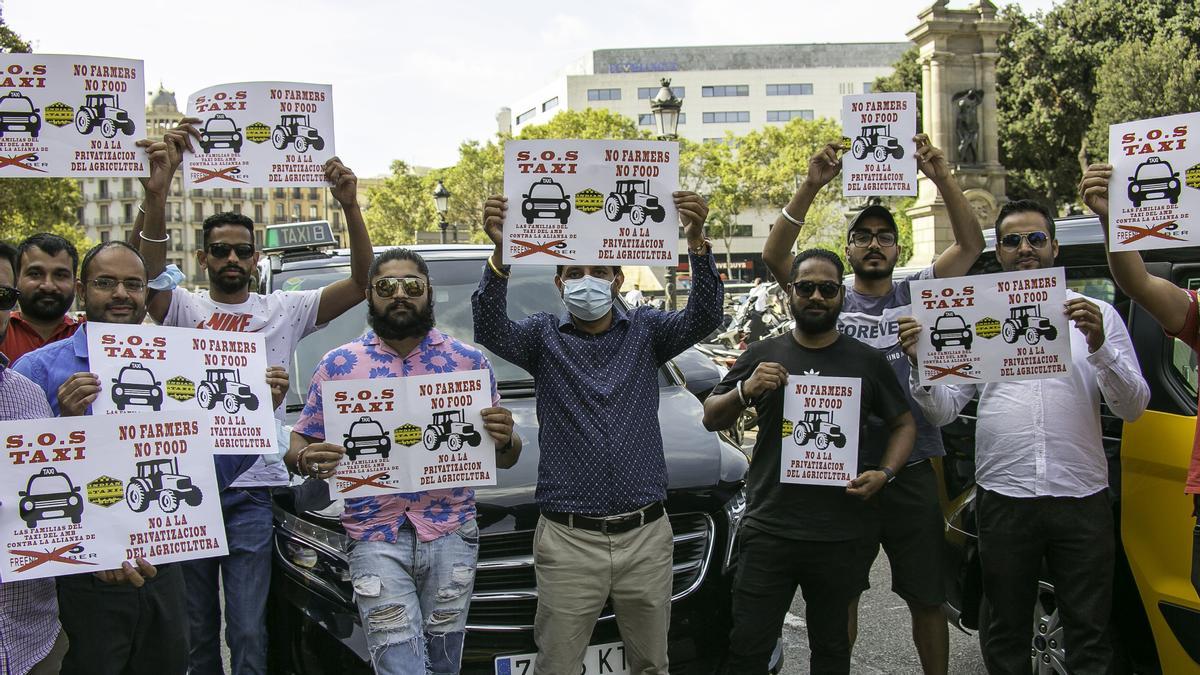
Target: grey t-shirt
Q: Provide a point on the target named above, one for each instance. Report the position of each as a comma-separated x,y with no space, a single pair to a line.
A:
873,320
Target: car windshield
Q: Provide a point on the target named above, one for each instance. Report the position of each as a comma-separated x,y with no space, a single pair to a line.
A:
15,104
371,428
530,290
950,322
546,191
220,124
136,376
46,485
1154,170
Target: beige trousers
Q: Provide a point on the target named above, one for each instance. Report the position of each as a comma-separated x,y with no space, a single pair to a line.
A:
578,570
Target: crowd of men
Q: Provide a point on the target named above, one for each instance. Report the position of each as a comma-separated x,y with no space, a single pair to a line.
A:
602,536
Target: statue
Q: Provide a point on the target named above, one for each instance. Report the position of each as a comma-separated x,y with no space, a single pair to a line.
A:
966,125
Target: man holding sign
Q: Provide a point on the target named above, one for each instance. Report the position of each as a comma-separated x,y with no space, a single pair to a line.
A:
806,532
1040,464
412,563
910,517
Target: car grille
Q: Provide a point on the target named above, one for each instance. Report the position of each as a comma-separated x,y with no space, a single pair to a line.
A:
51,503
505,597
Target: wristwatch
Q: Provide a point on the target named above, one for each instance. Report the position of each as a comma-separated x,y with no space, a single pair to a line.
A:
887,471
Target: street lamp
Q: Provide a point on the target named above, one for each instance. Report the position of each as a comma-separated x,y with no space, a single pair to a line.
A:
665,107
441,199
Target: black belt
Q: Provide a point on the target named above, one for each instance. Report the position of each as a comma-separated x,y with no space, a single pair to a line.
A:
609,524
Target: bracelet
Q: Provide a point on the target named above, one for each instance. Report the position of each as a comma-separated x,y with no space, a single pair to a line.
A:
496,270
741,395
788,217
142,208
155,241
301,465
887,471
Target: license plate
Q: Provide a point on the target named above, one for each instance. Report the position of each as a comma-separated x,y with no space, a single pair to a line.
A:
607,659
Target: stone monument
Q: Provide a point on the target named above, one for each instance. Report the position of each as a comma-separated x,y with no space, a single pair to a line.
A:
958,76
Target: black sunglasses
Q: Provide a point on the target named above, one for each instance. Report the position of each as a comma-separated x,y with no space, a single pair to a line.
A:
386,287
8,297
805,289
1012,242
221,251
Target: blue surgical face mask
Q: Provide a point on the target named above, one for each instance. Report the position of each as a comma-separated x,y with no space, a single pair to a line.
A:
588,298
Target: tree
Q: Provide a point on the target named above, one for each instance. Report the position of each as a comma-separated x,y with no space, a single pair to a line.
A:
400,207
478,175
905,76
32,205
1137,81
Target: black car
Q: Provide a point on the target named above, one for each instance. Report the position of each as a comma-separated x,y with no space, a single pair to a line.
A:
49,495
313,624
950,329
17,114
220,132
135,384
545,199
366,437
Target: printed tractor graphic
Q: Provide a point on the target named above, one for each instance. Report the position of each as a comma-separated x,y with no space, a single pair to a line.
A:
818,425
49,495
159,479
633,197
950,329
220,132
102,110
136,385
222,386
17,114
1154,179
448,427
366,436
876,140
1027,320
545,199
296,130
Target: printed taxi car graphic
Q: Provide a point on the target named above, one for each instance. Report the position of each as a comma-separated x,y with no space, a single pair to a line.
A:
987,328
1154,179
545,199
589,200
258,132
159,479
1027,321
366,437
407,435
818,427
950,329
448,427
59,114
222,385
49,495
180,388
136,385
18,115
220,132
633,197
105,491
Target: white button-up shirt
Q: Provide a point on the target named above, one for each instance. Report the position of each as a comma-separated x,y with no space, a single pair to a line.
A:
1041,438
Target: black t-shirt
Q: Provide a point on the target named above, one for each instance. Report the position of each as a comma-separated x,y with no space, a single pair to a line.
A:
809,512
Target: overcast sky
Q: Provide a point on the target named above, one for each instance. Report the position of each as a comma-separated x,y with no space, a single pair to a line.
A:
411,80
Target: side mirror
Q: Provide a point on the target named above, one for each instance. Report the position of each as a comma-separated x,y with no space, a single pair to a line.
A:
75,489
525,196
21,493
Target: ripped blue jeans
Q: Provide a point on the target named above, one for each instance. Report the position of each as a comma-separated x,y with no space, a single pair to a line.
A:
412,597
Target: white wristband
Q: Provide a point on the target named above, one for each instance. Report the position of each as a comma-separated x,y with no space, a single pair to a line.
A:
787,216
154,241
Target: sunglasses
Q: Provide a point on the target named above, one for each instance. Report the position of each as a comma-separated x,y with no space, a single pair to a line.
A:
387,287
8,297
862,238
805,289
109,284
221,251
1012,242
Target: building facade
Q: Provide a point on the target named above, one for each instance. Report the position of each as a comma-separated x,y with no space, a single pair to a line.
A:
110,205
724,89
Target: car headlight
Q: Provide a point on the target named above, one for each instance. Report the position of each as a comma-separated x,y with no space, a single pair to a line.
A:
73,500
1174,184
563,205
735,511
204,137
118,391
237,137
155,392
33,118
1135,188
26,505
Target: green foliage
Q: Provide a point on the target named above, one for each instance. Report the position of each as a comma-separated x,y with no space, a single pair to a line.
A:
400,207
905,76
32,205
1137,81
589,123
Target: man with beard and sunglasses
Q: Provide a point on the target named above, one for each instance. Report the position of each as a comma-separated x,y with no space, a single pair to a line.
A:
283,317
126,620
1040,466
413,559
909,524
804,535
46,280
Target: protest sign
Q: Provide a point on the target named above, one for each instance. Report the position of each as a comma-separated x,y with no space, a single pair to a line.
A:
1154,191
71,116
993,327
410,434
591,202
260,134
85,494
221,373
879,129
820,430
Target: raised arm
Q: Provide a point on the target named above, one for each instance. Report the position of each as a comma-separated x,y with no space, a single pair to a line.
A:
742,387
777,251
151,225
340,296
1165,301
957,259
684,328
509,339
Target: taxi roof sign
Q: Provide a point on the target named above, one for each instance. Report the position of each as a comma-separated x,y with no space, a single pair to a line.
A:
308,235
